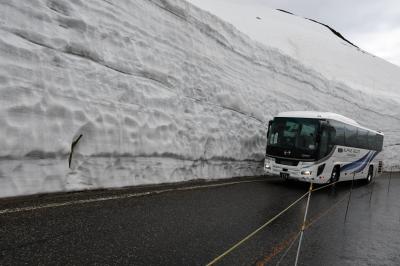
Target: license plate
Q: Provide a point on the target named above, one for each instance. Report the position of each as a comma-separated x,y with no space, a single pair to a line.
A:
285,175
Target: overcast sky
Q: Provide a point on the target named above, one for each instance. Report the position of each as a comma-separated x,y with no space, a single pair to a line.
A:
373,25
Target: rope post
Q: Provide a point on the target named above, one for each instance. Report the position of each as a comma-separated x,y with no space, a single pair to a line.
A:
390,178
372,190
348,202
303,225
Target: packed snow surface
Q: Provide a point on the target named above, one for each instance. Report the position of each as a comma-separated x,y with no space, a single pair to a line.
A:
161,91
312,44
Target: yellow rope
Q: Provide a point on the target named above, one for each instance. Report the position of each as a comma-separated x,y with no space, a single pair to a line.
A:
267,223
256,231
278,248
331,184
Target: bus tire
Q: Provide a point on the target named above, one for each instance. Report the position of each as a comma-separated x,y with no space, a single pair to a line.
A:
370,174
335,174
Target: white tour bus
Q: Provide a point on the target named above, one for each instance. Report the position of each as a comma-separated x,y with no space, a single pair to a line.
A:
322,147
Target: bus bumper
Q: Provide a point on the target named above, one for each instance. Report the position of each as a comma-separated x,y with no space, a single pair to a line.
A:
294,173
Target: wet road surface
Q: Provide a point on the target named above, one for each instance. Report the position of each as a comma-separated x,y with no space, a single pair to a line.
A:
192,227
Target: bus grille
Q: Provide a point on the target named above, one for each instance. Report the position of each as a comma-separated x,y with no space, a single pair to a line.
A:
286,162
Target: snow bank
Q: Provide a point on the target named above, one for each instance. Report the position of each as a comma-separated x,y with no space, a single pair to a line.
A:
160,90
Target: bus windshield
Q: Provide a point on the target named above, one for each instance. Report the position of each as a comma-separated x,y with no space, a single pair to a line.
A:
293,137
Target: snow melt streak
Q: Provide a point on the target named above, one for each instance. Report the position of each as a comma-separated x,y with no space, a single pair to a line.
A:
160,90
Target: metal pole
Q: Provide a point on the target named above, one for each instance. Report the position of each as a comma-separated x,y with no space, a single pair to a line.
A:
372,190
304,225
348,202
390,178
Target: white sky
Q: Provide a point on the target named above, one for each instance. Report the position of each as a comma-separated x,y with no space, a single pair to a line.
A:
373,25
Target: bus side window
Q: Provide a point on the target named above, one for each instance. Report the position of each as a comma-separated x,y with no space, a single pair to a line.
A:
331,138
351,136
326,141
372,141
379,142
363,138
323,144
337,137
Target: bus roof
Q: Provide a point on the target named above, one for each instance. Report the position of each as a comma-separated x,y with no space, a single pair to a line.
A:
325,115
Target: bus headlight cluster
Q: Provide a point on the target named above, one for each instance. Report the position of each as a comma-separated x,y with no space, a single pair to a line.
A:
307,172
267,164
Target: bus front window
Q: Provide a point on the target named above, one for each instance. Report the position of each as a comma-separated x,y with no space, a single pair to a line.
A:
295,134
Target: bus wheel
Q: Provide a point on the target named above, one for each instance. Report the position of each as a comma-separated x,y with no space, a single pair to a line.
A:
335,175
370,175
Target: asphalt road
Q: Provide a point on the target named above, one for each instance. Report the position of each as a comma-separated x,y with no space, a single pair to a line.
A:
193,226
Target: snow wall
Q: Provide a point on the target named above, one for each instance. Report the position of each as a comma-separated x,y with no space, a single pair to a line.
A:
160,91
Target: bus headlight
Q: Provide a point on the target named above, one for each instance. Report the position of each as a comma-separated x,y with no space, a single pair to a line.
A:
267,164
307,172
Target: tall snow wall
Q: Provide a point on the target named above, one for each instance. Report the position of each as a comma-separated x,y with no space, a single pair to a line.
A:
160,91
